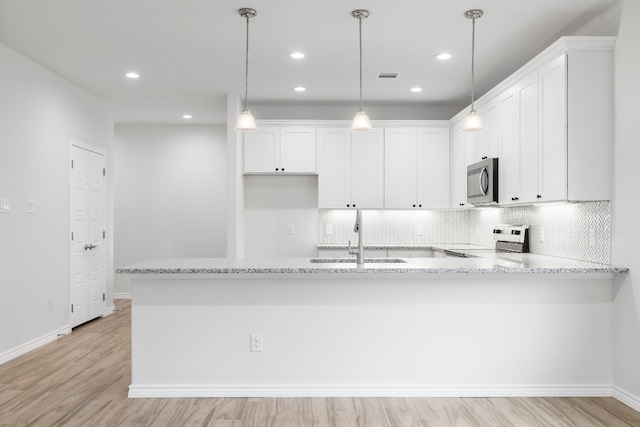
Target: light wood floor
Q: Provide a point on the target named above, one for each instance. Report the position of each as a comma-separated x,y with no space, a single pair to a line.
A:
72,382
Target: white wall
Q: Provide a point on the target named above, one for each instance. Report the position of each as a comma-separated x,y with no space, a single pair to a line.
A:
626,205
41,113
272,203
171,194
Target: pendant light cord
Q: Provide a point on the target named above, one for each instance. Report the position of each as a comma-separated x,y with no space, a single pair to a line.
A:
246,70
473,49
360,38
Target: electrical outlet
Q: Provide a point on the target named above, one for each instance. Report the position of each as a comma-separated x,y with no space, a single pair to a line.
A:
541,234
328,229
5,206
592,237
257,342
291,229
50,303
31,206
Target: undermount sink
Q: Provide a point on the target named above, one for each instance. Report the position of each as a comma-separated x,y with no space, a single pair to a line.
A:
366,260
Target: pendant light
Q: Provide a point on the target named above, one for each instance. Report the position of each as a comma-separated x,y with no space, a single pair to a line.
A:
361,120
245,119
473,122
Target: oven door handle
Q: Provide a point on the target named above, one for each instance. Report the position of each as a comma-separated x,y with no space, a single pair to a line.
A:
483,181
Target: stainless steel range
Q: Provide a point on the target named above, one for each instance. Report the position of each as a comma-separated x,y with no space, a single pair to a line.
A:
512,238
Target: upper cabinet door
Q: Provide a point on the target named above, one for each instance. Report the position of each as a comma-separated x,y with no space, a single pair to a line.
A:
261,150
509,163
334,168
487,140
298,150
529,130
367,169
458,170
433,168
552,177
400,168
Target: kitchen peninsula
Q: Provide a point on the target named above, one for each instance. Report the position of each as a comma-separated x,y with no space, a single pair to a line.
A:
492,325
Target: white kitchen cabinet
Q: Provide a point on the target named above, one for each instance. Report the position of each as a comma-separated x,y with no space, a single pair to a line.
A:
509,161
288,150
554,125
351,169
552,169
528,137
487,140
433,168
458,167
416,168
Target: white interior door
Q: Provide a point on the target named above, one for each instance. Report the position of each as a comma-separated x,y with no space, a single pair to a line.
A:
88,279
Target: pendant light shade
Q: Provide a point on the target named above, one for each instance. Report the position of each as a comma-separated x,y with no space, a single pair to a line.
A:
473,122
361,120
245,120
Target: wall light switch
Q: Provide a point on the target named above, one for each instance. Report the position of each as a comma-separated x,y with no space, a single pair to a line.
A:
5,206
291,229
31,206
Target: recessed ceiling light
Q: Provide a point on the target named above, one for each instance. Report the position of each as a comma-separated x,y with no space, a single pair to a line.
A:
300,88
187,116
416,89
132,75
297,55
442,56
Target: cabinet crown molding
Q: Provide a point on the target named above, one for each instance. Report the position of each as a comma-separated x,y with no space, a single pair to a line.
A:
377,124
562,45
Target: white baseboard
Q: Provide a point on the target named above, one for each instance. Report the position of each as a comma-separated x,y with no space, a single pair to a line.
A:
109,311
356,390
33,344
122,295
627,398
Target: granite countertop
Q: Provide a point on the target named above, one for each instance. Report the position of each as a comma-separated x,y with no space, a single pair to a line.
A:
484,262
410,246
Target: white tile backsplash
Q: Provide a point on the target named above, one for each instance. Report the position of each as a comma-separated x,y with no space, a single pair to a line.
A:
564,227
395,226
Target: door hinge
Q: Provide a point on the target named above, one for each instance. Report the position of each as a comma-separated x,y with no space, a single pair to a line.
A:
72,308
104,172
104,297
104,234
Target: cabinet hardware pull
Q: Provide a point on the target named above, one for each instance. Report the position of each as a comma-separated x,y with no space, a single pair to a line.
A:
277,169
419,206
461,204
513,199
414,206
539,196
282,169
484,157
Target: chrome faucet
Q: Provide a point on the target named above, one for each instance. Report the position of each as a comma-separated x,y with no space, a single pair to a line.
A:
357,228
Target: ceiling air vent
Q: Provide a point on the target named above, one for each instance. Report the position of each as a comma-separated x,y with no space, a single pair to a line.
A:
388,76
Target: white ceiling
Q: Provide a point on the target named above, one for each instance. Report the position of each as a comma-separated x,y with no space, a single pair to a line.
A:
190,53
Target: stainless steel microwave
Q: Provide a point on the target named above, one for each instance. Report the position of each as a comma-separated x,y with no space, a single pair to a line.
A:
482,182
